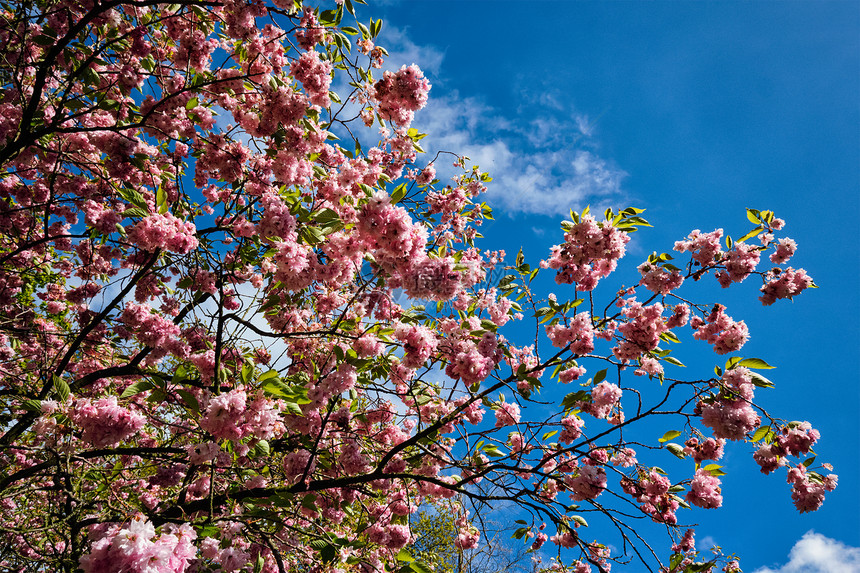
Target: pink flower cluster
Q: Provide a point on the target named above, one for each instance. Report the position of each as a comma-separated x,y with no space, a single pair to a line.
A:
315,76
401,94
590,252
468,535
433,279
104,422
720,330
571,429
808,488
604,397
704,247
785,249
419,343
701,450
795,439
164,231
471,362
309,32
785,284
589,481
136,549
705,490
641,331
652,491
740,261
397,243
229,416
730,415
154,331
658,279
507,414
579,335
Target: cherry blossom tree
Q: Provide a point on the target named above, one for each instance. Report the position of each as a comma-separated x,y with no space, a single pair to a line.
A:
246,328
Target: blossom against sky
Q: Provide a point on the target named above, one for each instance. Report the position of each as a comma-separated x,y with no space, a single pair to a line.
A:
694,111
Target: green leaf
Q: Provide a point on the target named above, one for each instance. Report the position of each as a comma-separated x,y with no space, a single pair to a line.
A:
714,469
676,450
669,336
573,398
62,388
405,557
419,567
328,553
760,381
189,399
135,212
760,433
268,375
600,376
398,193
493,451
32,405
137,388
674,361
161,199
751,234
753,216
293,408
670,435
580,520
259,563
246,372
755,363
262,448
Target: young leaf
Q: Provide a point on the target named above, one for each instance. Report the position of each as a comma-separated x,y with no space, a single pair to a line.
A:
670,435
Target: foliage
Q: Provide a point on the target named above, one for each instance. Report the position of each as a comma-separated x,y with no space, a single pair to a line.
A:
205,366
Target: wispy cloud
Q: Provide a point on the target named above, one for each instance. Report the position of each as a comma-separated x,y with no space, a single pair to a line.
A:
815,553
545,164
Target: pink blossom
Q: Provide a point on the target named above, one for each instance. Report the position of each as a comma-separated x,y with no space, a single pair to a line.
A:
164,231
568,375
401,93
571,429
224,414
315,76
785,249
705,490
798,438
604,397
590,252
658,279
579,335
721,330
740,261
704,247
807,489
507,414
105,423
701,450
786,284
730,419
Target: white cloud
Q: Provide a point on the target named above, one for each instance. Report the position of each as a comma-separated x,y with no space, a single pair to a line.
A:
543,164
706,543
815,553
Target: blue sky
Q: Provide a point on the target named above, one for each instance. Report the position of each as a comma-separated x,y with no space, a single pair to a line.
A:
694,111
